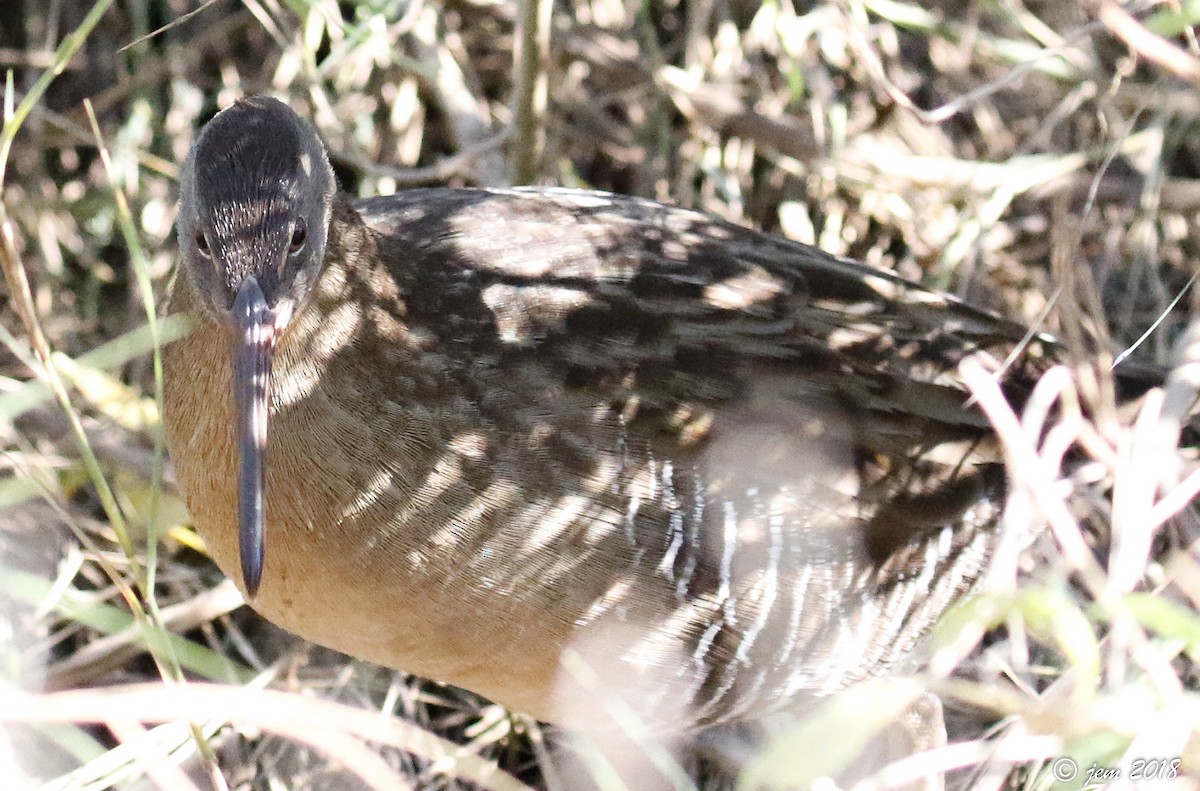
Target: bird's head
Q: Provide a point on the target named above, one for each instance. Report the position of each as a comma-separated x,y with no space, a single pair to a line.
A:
255,203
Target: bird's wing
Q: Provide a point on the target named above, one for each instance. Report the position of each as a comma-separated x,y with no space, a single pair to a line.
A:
605,283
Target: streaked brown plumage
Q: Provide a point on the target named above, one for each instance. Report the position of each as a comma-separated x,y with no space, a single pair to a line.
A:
729,470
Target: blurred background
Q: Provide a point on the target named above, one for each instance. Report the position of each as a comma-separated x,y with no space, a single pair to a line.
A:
1040,159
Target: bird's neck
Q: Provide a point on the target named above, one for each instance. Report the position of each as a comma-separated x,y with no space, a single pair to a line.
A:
346,355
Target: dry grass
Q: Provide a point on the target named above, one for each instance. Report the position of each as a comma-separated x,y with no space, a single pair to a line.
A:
1038,158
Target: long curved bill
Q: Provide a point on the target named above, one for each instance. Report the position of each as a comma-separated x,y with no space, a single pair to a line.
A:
254,346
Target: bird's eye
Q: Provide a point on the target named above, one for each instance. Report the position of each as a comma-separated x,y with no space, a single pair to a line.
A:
202,243
299,237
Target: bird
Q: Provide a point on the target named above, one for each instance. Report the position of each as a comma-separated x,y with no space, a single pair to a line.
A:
544,444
